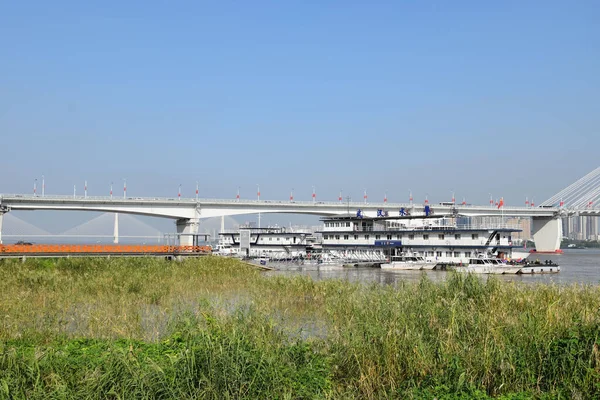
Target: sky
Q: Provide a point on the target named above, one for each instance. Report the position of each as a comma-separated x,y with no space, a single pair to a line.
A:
389,96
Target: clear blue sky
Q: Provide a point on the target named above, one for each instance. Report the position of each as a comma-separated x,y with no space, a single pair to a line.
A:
433,96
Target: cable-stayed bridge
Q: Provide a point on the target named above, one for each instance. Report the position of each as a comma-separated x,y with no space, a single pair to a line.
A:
582,197
579,198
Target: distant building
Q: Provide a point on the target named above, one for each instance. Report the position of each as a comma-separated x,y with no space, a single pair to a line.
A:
524,224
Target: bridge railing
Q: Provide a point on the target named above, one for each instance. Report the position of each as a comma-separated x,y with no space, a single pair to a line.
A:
174,200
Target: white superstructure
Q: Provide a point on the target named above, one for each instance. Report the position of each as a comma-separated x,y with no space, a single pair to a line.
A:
437,239
272,242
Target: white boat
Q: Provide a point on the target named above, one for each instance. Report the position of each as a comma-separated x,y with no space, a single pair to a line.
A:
540,269
488,265
273,243
408,262
435,238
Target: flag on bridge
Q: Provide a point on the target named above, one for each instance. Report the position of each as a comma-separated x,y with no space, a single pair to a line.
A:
501,202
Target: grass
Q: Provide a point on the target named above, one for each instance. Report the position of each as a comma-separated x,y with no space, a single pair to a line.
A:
215,328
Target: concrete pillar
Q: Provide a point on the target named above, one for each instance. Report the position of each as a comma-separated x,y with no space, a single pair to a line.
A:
186,229
116,230
1,218
583,227
571,227
547,233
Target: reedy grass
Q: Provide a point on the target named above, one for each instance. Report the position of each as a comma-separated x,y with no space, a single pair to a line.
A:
215,328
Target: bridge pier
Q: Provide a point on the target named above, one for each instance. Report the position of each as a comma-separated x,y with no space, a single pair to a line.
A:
547,233
1,218
116,229
187,229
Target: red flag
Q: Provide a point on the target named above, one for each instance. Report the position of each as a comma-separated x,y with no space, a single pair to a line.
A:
501,202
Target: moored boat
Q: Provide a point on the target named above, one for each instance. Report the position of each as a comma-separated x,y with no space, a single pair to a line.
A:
408,262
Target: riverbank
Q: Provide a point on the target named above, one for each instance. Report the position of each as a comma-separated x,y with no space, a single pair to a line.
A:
215,328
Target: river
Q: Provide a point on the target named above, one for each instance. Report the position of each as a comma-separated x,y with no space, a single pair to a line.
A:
577,266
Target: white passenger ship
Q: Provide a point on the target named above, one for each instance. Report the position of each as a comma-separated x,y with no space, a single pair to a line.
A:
274,243
436,239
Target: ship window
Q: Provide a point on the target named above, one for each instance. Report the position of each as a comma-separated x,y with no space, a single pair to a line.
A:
457,236
278,239
411,237
346,237
355,237
325,237
448,254
438,253
389,237
431,254
475,236
467,254
377,237
337,237
398,237
425,237
270,239
441,236
457,254
367,237
347,224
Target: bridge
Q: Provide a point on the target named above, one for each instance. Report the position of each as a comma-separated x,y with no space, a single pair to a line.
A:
187,213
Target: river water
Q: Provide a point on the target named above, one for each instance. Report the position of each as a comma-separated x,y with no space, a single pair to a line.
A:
576,266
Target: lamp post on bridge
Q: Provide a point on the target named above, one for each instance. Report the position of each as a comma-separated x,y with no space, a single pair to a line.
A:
124,188
258,198
43,186
34,186
196,190
111,191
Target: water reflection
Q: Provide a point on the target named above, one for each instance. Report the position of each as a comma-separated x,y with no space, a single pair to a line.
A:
577,266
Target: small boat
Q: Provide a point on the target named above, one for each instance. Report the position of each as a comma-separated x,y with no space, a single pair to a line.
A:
489,265
537,267
408,262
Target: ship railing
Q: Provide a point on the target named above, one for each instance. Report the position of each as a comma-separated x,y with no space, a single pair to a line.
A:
483,227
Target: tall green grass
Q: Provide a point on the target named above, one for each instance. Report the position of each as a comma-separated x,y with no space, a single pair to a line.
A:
215,328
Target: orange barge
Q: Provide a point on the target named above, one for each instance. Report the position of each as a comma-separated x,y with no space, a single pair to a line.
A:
100,249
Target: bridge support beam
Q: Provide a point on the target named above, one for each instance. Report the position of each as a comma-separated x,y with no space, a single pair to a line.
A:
187,229
1,218
547,233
